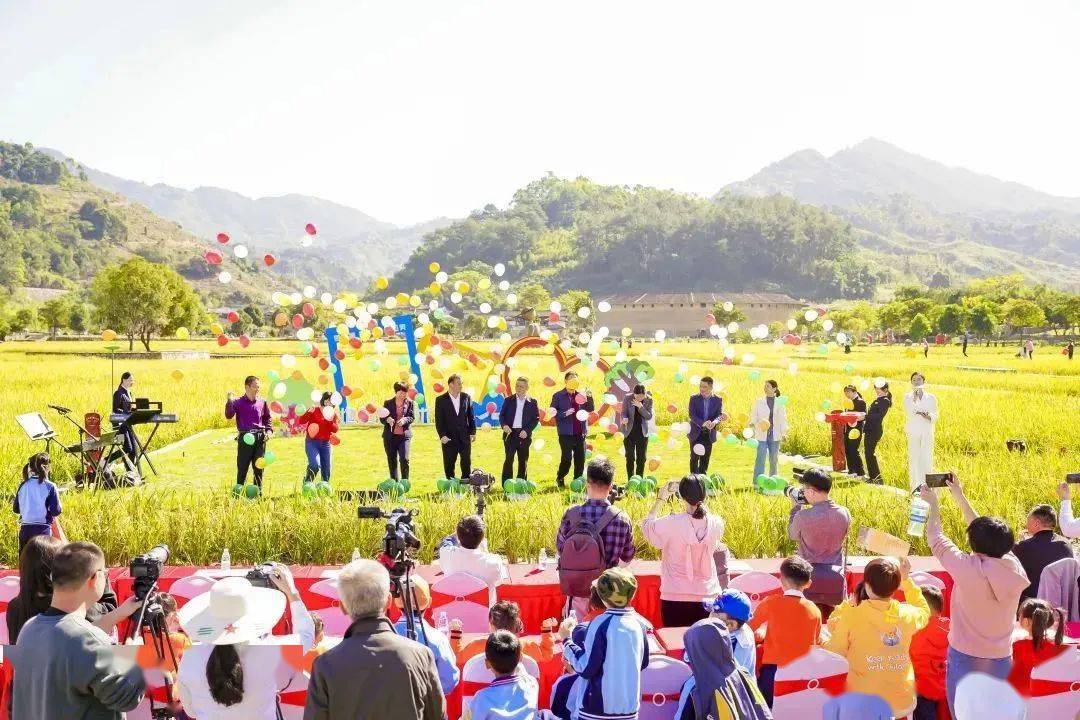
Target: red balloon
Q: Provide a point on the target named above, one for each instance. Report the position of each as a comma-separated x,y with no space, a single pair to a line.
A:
411,393
340,355
362,416
222,238
553,317
335,440
312,429
710,319
233,316
314,352
269,259
275,407
500,389
308,309
429,359
491,408
354,343
212,256
346,390
244,341
370,407
390,331
310,229
323,363
222,340
580,398
298,321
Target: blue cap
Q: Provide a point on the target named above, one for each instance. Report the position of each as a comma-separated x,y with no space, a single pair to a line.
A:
735,604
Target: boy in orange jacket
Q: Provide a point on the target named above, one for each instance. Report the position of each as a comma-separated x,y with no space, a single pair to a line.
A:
928,650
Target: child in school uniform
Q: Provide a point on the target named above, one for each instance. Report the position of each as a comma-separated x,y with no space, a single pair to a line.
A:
1045,629
36,502
928,650
505,615
513,694
733,608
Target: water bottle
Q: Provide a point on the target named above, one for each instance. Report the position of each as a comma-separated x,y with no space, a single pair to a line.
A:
542,561
226,560
356,555
920,510
573,615
443,623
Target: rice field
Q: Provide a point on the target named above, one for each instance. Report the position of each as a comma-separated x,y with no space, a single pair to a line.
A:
190,507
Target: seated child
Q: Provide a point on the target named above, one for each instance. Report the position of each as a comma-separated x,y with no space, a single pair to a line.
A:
1045,627
147,656
733,607
513,694
505,615
928,650
794,623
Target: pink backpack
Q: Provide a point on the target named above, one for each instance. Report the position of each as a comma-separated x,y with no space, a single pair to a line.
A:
582,558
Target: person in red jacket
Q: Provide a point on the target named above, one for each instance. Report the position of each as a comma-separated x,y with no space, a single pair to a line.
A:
1045,627
929,647
322,426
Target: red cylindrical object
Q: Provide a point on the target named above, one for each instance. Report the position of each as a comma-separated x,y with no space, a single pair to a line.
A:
92,422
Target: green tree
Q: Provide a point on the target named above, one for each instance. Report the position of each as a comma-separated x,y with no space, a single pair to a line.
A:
534,295
79,320
983,317
572,301
140,299
102,223
725,317
1021,313
920,327
56,314
24,319
952,319
855,320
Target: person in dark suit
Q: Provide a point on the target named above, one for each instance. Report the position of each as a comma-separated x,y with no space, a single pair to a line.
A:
122,402
851,444
519,416
637,413
706,412
873,428
567,403
1041,547
397,430
456,426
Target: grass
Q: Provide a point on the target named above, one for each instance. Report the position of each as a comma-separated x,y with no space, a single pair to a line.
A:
190,507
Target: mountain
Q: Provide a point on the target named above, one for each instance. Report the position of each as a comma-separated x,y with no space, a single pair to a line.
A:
350,249
577,234
918,216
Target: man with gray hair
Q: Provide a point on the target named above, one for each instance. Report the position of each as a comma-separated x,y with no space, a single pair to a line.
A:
373,672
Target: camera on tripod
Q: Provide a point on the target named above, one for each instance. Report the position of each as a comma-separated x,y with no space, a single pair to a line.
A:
400,540
146,569
617,492
481,483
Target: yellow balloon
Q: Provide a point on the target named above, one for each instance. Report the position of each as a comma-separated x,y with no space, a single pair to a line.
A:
216,329
382,283
854,433
434,288
402,299
434,267
484,284
108,335
182,333
376,332
177,375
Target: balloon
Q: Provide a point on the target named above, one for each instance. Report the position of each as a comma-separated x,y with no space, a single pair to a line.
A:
491,408
222,340
577,484
244,341
653,464
182,333
660,335
310,229
699,449
222,238
240,251
269,259
500,269
177,375
248,439
603,306
260,463
307,309
237,490
225,277
382,283
252,491
108,335
212,256
582,415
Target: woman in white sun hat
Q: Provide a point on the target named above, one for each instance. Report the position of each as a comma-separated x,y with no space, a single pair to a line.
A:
236,668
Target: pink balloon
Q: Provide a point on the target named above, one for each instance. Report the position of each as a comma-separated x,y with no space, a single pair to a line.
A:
310,229
580,398
212,256
222,238
244,341
491,408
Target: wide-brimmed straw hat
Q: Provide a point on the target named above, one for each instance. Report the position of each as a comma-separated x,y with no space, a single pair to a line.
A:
232,611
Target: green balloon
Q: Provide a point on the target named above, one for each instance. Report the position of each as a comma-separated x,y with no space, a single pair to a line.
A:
273,376
406,484
385,486
455,484
762,480
649,481
323,488
403,360
825,404
530,486
782,400
397,489
633,484
731,439
823,349
443,484
752,442
307,491
577,484
237,490
679,377
755,375
252,491
248,439
513,487
269,457
419,399
374,365
849,368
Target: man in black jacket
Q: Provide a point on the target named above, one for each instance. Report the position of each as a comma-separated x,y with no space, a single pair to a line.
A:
519,416
397,430
1042,546
456,426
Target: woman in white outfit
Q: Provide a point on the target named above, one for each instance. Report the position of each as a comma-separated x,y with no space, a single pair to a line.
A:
768,418
921,414
236,668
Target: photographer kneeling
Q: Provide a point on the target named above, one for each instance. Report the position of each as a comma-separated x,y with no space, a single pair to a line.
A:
237,673
820,530
687,541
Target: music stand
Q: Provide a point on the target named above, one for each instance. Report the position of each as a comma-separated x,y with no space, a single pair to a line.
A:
35,426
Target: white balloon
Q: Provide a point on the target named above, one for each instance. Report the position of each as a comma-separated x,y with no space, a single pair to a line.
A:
584,311
339,305
826,325
511,299
660,335
504,285
603,306
792,324
500,269
224,277
309,291
556,306
455,297
811,315
240,251
729,306
441,277
485,308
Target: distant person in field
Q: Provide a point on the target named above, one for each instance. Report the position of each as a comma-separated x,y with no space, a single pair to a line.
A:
122,404
252,415
320,424
397,431
921,413
963,346
1069,349
925,348
36,501
873,429
1029,348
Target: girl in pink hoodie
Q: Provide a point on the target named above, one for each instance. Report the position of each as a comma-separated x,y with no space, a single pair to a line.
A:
987,584
686,541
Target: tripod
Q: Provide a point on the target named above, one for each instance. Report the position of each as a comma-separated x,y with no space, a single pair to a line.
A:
152,618
401,587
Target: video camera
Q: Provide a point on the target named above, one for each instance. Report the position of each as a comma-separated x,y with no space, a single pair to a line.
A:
480,482
400,540
617,492
796,493
146,569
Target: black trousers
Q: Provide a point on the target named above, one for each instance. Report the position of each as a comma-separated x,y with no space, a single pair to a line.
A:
925,709
453,450
515,446
699,464
572,448
246,455
873,436
851,451
682,613
397,453
636,447
767,682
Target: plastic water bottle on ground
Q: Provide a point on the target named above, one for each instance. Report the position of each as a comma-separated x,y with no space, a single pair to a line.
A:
920,511
443,623
356,554
226,560
542,561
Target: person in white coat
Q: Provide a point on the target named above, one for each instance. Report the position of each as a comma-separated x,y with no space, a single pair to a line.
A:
921,414
768,418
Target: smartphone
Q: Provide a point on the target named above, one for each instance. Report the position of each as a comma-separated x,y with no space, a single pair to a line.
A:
673,488
1072,478
937,480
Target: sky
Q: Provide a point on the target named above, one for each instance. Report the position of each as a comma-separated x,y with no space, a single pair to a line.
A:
414,109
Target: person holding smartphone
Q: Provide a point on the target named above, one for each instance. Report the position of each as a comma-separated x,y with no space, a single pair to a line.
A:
637,414
921,414
1070,526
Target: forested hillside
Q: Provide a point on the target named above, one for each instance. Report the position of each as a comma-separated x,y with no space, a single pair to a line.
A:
580,234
